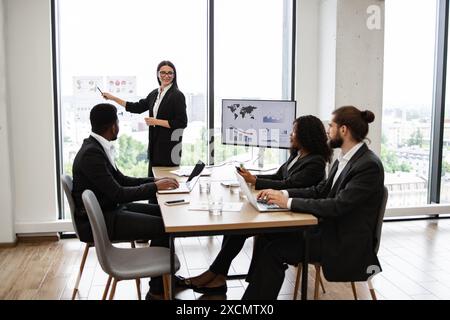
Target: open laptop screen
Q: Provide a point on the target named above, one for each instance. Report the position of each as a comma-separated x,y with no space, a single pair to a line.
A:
197,170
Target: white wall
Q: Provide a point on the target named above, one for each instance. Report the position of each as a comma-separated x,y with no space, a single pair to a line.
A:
359,62
316,57
339,60
29,85
327,59
6,208
307,46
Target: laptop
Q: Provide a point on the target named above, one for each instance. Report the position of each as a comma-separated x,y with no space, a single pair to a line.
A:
259,205
186,187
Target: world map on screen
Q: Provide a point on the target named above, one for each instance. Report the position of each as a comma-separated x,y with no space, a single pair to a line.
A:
244,112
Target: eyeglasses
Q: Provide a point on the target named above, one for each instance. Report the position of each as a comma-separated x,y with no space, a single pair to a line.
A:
168,73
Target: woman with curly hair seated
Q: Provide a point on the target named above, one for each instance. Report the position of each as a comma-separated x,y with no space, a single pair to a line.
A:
304,168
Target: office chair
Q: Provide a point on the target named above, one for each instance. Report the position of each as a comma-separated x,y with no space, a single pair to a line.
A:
85,236
125,264
377,241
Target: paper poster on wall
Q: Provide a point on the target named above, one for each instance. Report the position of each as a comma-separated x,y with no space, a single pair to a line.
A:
121,86
85,86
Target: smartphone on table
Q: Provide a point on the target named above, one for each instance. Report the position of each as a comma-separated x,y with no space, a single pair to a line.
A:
176,202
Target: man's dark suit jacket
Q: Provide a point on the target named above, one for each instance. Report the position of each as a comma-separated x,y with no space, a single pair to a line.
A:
92,170
307,171
171,108
347,215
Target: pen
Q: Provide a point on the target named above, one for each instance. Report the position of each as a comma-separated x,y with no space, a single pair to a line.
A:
99,90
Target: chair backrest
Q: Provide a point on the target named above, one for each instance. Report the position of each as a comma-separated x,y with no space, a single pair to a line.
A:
102,243
67,184
379,225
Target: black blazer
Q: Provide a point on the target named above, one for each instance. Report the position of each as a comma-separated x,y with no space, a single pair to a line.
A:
92,170
347,215
306,172
173,109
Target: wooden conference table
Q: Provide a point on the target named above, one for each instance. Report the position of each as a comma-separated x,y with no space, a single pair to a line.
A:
179,221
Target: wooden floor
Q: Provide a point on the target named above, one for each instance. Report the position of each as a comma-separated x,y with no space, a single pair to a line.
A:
415,257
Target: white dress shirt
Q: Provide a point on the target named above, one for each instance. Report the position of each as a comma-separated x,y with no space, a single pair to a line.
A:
288,168
109,148
159,99
294,161
343,161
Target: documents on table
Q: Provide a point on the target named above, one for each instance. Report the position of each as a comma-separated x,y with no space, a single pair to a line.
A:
186,172
227,206
229,184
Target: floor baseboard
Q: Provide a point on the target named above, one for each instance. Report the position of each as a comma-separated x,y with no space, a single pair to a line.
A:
43,237
8,245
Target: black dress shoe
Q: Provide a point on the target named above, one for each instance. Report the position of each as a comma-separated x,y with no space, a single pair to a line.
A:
153,296
183,282
211,290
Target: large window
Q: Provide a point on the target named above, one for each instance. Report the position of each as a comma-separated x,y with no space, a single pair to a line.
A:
253,54
408,97
117,44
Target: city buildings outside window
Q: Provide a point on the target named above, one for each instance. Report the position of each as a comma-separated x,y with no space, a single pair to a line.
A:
118,51
409,55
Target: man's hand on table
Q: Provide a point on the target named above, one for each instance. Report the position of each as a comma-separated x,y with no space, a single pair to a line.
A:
166,183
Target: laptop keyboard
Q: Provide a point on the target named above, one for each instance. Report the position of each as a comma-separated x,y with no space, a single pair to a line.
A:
266,205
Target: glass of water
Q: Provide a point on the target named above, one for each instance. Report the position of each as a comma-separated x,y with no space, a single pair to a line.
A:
215,205
205,186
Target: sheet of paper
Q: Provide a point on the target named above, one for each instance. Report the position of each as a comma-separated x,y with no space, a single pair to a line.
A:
230,183
227,206
186,172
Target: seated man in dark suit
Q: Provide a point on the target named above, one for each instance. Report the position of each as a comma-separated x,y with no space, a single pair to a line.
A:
94,168
346,204
304,168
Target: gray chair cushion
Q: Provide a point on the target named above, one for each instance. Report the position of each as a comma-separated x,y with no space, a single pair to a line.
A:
141,262
121,263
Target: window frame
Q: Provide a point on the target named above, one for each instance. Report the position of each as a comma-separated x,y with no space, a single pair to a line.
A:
289,81
438,107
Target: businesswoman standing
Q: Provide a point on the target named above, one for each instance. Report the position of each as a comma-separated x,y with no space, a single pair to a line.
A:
167,117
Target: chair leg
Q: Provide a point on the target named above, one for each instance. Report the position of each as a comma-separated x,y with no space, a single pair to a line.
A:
138,281
297,280
166,282
108,284
372,293
113,290
371,289
83,262
317,282
138,287
354,291
321,283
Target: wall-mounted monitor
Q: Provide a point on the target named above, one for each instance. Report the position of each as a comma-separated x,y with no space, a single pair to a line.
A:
257,123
